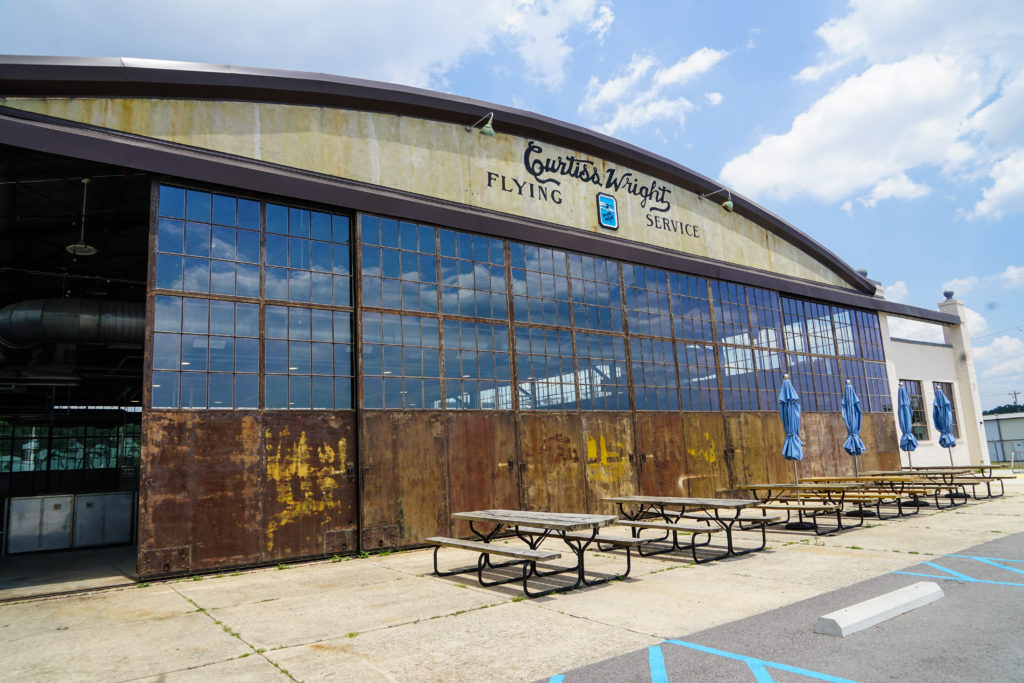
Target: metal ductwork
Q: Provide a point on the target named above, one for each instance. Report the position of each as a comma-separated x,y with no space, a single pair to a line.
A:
72,321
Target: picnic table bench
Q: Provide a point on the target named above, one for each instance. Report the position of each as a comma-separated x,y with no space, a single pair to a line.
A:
666,514
577,531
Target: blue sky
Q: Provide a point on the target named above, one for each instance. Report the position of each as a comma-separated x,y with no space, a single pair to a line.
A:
891,131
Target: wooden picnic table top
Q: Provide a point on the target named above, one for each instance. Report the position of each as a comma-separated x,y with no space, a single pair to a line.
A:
677,501
867,478
556,521
923,472
822,486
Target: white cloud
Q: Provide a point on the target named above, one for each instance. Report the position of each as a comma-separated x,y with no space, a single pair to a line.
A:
961,285
600,94
868,129
875,123
847,208
976,323
1003,359
896,187
636,103
713,98
641,111
699,62
1012,277
897,291
1006,195
917,330
410,43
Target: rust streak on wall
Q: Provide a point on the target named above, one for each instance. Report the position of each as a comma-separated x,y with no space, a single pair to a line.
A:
704,434
608,447
553,477
482,463
661,454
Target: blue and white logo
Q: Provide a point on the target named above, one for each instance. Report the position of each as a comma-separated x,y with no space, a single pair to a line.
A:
607,211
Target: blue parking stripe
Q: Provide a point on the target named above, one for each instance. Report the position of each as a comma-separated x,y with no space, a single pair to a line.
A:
960,576
657,662
993,562
759,667
982,559
557,679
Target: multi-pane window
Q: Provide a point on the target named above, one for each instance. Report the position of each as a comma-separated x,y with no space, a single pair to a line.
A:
919,419
739,385
877,380
820,336
477,367
308,358
647,302
399,264
947,389
401,361
794,329
732,322
828,386
205,353
842,321
801,373
869,336
656,386
596,295
769,376
691,310
307,256
602,372
547,376
207,243
765,318
540,285
698,379
42,448
472,275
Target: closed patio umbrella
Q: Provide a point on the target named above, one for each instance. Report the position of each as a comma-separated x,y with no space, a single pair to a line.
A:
852,417
789,413
942,416
908,442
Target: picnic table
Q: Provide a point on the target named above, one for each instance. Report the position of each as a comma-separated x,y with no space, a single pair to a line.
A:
879,489
532,527
970,475
946,478
666,514
808,500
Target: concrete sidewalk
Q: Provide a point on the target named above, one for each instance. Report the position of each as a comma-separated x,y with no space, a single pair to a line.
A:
385,618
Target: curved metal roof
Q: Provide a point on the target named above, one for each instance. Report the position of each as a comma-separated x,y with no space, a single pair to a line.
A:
124,77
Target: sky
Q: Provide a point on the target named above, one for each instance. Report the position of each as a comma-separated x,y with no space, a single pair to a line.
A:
890,131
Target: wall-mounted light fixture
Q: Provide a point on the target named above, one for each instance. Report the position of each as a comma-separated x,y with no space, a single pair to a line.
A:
727,204
485,129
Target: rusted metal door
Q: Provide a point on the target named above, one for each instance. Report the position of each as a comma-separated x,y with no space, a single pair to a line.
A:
746,458
483,470
309,497
661,455
403,479
704,435
607,443
553,476
199,504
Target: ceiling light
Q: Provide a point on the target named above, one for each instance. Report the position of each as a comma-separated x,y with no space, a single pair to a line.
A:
81,248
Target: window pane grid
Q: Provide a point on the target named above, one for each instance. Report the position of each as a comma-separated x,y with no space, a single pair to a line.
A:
603,380
691,307
596,296
401,361
654,374
698,379
919,422
947,389
472,275
647,301
477,368
739,381
540,285
308,359
547,376
732,322
399,265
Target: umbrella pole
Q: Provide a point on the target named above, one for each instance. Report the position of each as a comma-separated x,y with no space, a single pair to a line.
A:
796,477
950,456
910,461
856,467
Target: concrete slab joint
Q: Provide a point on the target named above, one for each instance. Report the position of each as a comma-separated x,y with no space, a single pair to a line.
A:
864,614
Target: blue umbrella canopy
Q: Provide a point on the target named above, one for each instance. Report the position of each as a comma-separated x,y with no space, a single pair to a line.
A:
908,442
852,417
789,413
942,415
